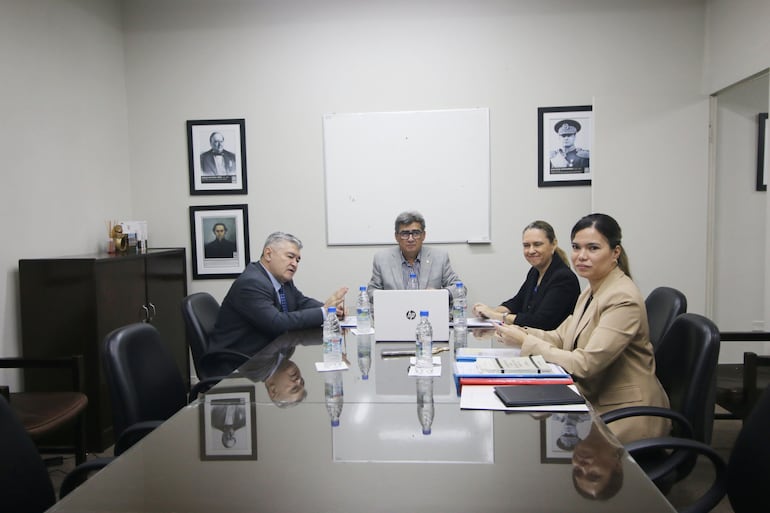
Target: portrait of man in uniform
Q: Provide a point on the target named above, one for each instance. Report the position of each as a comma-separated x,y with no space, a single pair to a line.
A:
567,156
564,145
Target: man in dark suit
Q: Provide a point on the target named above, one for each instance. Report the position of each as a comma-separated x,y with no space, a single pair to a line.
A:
220,247
217,161
263,301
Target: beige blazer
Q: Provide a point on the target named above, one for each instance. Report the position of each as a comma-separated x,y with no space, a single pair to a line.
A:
607,351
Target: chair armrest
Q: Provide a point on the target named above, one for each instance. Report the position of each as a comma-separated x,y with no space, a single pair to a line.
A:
203,386
133,434
718,489
74,363
684,426
81,473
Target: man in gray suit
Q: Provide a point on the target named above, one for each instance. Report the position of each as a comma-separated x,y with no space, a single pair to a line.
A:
391,267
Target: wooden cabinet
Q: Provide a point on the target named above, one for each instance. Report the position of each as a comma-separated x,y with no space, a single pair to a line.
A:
69,304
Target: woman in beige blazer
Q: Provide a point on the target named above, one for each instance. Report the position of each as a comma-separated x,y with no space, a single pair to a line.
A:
605,343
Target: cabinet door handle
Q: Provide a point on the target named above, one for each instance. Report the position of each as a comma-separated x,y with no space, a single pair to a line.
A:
146,313
153,311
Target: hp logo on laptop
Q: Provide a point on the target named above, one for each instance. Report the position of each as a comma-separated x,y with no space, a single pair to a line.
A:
410,314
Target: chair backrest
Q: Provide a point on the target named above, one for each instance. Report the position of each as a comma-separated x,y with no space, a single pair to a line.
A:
749,464
143,379
200,312
664,304
686,362
24,482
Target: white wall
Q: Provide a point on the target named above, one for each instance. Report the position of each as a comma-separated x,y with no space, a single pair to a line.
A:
737,42
282,65
63,131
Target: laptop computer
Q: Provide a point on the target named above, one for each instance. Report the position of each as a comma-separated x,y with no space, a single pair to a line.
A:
396,313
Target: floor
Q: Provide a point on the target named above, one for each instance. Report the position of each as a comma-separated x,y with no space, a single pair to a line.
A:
723,438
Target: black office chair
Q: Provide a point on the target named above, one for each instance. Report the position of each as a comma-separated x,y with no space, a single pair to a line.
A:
686,362
200,312
146,387
745,476
25,486
663,305
739,385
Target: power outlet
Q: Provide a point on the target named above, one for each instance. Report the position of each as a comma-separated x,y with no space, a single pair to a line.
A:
757,325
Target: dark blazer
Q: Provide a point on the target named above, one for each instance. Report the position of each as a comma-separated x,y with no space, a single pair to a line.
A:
251,317
209,167
552,303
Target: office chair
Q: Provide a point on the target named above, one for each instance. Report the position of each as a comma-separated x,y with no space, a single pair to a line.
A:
146,387
200,312
25,486
685,362
745,476
663,305
739,385
47,413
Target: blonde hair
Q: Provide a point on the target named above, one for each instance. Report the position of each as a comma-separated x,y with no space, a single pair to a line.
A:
550,234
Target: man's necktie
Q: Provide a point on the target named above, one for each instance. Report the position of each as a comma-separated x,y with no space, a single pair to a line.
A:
282,296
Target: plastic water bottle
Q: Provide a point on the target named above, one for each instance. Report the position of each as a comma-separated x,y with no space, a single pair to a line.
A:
460,306
460,335
412,283
364,345
334,395
363,311
332,337
425,407
424,347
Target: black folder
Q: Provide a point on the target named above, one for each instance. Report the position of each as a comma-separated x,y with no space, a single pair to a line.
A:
538,395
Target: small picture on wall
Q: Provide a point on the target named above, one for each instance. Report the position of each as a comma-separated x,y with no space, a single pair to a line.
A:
220,240
217,156
564,145
763,159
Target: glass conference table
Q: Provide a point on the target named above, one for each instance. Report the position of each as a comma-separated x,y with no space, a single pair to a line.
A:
236,450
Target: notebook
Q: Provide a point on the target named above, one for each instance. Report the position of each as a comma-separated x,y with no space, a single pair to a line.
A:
396,313
538,395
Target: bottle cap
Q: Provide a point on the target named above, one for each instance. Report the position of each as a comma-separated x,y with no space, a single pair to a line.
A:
362,288
425,431
458,284
332,309
423,313
335,422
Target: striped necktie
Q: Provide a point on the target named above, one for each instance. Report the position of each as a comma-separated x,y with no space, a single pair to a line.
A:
282,296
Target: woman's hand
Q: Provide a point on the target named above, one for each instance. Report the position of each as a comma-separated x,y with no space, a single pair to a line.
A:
511,335
485,312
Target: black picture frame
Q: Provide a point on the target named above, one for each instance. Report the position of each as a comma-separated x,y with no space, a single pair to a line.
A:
228,257
551,450
555,167
228,175
762,156
228,424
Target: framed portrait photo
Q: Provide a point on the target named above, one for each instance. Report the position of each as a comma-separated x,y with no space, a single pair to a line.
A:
228,424
564,145
220,240
763,159
216,150
559,433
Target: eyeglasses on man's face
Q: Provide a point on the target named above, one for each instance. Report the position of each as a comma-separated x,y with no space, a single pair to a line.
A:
405,234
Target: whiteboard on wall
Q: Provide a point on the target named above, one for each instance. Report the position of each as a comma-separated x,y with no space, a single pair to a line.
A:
380,164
